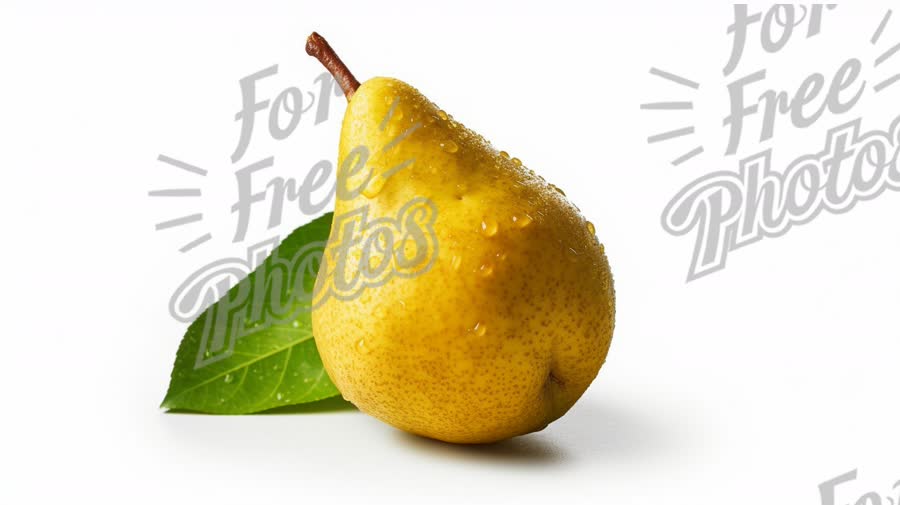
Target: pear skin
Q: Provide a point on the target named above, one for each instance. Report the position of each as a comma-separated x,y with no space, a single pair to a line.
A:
508,321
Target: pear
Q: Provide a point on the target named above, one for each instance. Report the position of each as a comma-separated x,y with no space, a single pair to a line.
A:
507,316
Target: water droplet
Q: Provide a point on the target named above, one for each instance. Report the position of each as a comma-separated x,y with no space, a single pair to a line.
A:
479,329
486,269
590,228
522,221
206,353
388,99
455,262
558,190
375,185
602,249
398,114
489,227
361,346
306,380
504,155
441,114
228,378
501,255
279,396
451,124
449,146
517,162
296,324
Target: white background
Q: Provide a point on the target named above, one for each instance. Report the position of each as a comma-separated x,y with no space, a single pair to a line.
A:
752,385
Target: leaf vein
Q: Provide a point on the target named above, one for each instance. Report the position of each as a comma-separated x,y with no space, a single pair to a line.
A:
245,364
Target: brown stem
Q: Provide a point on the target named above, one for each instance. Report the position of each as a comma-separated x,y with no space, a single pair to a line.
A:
318,47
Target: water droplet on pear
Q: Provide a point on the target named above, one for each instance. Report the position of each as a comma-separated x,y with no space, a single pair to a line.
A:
449,146
522,220
375,185
489,227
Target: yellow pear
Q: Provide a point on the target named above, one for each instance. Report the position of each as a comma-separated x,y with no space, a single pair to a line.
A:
461,296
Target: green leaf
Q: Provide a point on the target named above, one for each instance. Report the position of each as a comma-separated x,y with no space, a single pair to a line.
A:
253,349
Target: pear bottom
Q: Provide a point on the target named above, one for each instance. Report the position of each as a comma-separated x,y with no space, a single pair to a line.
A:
460,357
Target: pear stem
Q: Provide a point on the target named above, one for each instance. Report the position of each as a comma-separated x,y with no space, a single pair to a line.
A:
318,47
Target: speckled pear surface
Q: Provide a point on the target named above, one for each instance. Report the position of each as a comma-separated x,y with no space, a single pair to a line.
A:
513,317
